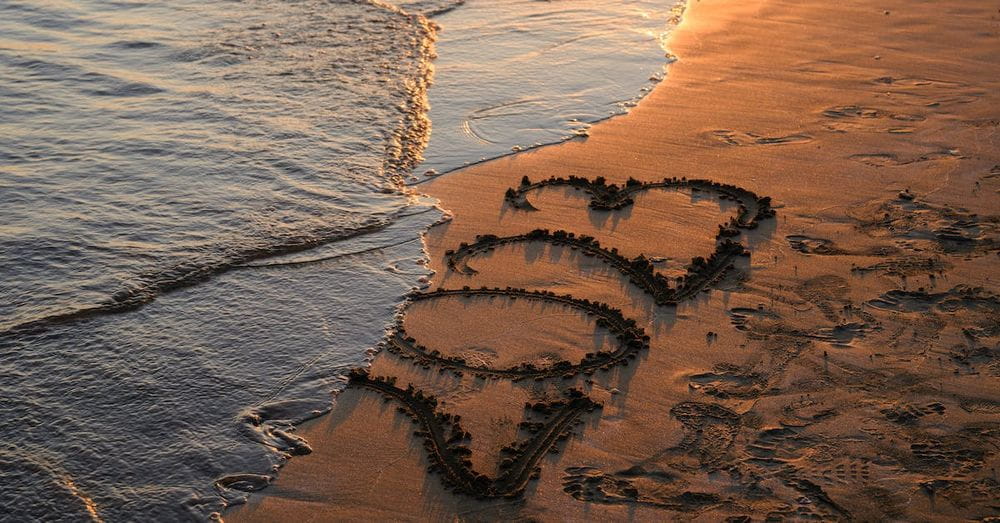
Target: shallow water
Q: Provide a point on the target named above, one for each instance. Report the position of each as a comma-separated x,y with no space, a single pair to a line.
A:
148,145
201,230
515,74
138,150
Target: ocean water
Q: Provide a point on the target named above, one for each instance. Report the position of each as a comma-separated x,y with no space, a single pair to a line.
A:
202,225
516,74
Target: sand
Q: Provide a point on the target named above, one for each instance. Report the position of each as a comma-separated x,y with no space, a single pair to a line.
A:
848,368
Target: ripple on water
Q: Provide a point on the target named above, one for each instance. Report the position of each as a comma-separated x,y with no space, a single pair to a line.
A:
150,146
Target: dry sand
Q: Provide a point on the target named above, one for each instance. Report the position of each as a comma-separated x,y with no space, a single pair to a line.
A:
848,370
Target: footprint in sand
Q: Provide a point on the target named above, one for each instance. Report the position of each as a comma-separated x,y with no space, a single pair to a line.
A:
946,455
729,381
809,245
827,292
906,266
636,485
739,138
937,92
989,180
709,431
895,160
841,335
943,228
845,471
740,316
825,247
983,123
910,82
981,406
910,414
844,118
774,447
965,493
964,300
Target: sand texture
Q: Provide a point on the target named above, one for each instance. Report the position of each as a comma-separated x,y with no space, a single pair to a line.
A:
785,307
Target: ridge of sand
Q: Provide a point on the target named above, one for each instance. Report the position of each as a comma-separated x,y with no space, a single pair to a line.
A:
848,370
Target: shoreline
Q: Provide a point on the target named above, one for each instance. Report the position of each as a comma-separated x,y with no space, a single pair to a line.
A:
457,145
745,391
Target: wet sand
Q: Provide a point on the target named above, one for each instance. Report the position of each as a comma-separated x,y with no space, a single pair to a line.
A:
847,368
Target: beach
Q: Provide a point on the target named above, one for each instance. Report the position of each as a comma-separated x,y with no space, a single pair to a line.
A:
841,362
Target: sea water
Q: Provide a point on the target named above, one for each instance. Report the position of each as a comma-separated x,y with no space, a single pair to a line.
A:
517,74
201,220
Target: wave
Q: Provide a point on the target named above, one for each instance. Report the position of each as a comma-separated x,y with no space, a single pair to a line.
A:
550,72
144,288
214,152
